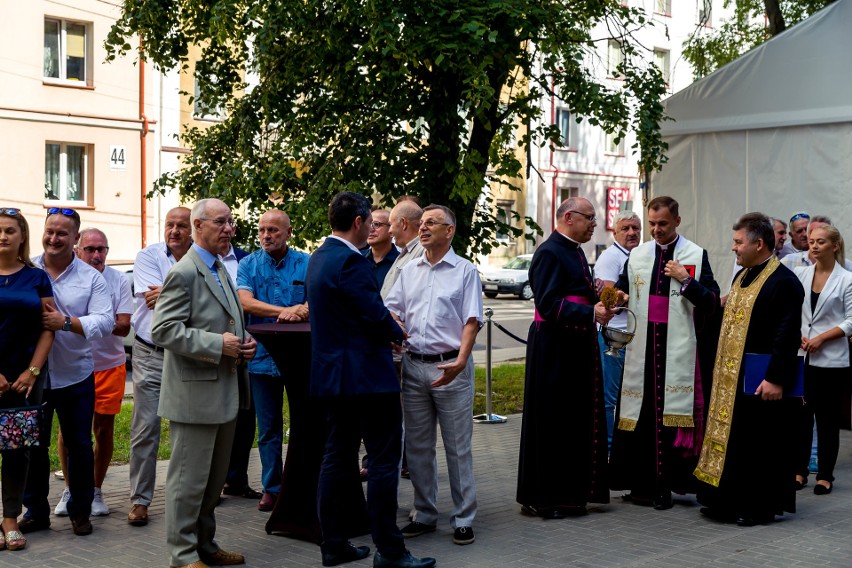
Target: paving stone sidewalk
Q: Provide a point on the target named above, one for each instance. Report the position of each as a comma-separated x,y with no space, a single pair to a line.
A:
618,534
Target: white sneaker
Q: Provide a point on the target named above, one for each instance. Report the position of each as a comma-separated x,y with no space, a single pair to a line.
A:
99,508
61,509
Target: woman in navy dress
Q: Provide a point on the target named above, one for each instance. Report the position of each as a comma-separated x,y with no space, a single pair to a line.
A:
24,345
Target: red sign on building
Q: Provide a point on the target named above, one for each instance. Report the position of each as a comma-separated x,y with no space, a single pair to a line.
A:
614,197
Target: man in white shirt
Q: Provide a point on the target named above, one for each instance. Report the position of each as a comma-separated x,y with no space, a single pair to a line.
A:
83,313
110,367
627,234
438,298
803,257
149,272
405,230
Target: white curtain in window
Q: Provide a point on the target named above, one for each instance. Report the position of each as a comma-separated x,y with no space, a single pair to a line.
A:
51,49
51,171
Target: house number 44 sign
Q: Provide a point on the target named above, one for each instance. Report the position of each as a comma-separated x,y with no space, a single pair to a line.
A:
118,157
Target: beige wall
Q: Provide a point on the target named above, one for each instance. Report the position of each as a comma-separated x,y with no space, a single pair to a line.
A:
100,112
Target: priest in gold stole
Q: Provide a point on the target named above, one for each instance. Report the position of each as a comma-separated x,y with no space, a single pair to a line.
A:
660,416
747,462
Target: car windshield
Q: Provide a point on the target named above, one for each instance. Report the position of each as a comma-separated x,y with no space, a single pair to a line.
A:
518,263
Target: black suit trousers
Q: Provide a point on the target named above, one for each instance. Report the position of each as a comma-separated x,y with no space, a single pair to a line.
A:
377,419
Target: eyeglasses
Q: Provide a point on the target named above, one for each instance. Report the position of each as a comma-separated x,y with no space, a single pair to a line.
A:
63,210
220,222
591,218
10,211
430,224
92,250
376,225
798,216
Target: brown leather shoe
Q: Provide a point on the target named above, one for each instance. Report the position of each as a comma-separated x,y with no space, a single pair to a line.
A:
223,558
138,516
196,564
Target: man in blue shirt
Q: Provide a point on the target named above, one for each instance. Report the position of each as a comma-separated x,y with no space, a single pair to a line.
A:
271,287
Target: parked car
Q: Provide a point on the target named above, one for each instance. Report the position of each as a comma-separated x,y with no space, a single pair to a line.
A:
127,270
513,278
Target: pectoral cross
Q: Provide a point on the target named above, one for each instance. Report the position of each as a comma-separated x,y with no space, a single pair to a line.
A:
638,283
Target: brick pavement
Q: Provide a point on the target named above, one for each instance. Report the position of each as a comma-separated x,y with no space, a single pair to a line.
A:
618,534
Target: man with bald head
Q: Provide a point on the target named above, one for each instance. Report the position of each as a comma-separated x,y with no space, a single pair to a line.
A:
563,457
201,325
271,287
405,230
149,272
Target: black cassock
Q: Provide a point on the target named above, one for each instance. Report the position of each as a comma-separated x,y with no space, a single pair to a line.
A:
758,479
563,457
646,461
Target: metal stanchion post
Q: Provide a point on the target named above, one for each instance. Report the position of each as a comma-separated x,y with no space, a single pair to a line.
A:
488,417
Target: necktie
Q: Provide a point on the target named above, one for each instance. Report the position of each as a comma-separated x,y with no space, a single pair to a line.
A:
221,274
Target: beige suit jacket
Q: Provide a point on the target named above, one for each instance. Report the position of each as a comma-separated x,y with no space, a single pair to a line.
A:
199,385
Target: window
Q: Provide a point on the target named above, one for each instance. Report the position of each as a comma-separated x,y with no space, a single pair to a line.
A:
661,60
65,47
202,111
615,57
705,12
566,122
612,147
66,172
504,215
567,192
663,7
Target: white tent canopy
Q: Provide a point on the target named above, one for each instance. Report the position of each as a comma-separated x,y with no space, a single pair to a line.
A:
770,132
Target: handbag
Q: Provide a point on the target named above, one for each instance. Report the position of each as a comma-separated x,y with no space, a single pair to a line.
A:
19,427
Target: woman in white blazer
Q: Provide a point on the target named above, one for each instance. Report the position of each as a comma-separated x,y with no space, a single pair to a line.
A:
826,324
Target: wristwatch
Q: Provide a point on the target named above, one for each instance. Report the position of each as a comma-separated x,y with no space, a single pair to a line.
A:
67,325
35,371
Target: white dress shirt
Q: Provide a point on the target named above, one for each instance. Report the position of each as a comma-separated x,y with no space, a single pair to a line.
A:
108,351
609,267
80,292
435,302
150,269
231,264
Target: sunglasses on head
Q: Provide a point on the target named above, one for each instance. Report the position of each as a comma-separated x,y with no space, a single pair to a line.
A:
63,210
10,211
798,216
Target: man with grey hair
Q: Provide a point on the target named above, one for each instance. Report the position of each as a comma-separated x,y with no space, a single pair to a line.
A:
797,233
200,323
110,366
627,234
438,297
404,228
803,257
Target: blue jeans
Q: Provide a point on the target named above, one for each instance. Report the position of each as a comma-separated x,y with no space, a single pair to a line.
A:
613,371
75,407
267,392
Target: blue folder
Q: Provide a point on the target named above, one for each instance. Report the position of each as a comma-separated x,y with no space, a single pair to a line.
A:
755,371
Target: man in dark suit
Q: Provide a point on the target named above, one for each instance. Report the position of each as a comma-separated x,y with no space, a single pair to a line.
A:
200,323
353,374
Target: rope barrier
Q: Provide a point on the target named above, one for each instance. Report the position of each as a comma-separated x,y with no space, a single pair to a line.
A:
509,333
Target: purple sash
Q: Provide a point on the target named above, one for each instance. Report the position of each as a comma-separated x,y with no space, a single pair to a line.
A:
575,299
658,309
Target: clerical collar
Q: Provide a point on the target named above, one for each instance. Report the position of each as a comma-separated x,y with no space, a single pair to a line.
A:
569,238
666,246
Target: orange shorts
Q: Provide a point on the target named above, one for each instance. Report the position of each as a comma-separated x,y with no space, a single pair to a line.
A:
109,389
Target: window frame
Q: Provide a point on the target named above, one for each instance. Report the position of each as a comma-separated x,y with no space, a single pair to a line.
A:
614,58
62,174
665,70
62,56
700,6
663,8
612,149
564,115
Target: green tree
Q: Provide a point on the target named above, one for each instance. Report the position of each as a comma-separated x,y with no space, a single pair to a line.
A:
387,97
752,23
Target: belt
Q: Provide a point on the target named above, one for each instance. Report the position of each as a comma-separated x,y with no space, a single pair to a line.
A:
434,358
150,346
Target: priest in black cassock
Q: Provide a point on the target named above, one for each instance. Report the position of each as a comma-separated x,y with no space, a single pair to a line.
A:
563,457
747,463
667,366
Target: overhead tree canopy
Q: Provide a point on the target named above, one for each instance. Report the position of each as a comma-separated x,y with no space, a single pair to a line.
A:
752,23
389,98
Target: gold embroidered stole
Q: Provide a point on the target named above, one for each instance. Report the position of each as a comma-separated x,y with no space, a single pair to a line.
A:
726,373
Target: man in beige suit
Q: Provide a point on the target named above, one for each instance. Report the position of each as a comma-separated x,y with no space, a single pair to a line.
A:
199,322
